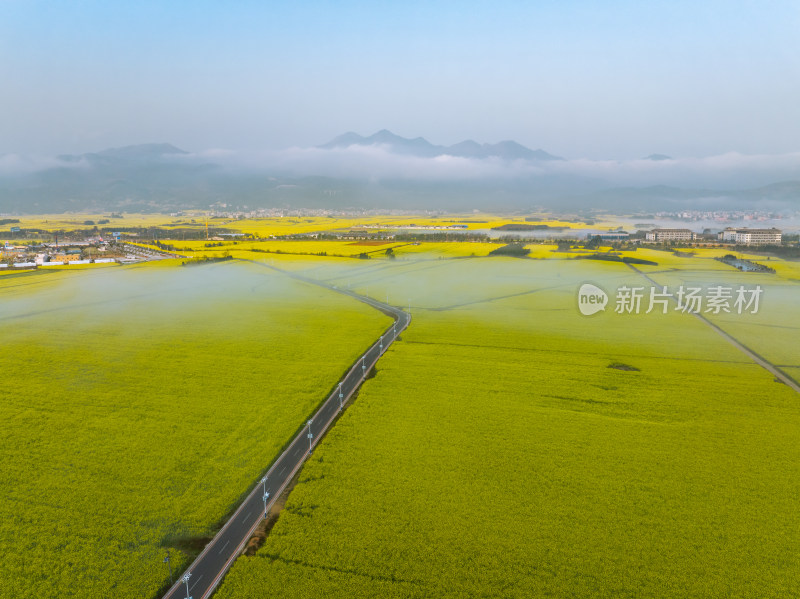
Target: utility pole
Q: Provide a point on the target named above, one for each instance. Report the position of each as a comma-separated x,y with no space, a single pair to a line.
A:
341,396
169,565
266,495
310,437
186,580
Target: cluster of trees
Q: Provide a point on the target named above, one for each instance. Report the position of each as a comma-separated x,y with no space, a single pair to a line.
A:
743,264
206,260
517,250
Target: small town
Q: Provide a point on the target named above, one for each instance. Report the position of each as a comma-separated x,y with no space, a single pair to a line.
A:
75,253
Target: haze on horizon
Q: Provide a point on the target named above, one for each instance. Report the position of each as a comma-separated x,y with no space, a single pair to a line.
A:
612,80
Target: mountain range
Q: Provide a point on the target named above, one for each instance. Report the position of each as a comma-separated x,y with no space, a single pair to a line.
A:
422,148
160,177
130,154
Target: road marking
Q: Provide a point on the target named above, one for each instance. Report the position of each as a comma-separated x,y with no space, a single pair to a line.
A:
225,545
282,469
248,515
195,582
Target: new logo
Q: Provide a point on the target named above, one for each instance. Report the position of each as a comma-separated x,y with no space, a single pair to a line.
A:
591,299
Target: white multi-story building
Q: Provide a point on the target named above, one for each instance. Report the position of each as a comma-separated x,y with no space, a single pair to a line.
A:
747,236
670,235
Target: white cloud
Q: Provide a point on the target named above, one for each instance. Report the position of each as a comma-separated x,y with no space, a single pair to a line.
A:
377,162
730,170
18,164
725,171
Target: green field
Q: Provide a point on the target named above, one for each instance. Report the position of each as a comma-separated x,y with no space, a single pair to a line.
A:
140,403
496,453
774,331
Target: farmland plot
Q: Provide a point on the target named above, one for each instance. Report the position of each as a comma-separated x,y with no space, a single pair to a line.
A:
140,403
510,447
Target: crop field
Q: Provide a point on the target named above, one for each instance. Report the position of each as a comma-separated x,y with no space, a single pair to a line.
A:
140,403
240,248
787,270
278,226
71,222
294,225
349,249
774,331
510,447
446,250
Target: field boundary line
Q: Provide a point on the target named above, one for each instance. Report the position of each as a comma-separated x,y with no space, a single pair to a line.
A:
758,359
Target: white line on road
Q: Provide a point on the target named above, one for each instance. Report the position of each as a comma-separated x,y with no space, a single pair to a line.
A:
282,470
195,582
225,545
248,515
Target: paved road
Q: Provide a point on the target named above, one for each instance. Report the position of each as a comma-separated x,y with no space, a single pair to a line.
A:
211,565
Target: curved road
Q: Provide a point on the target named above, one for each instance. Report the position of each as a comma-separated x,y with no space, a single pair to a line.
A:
206,572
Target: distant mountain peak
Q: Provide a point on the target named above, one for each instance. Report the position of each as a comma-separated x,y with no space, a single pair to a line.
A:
384,136
343,141
657,157
419,146
385,133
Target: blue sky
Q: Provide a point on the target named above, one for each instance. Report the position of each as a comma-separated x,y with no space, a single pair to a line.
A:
611,79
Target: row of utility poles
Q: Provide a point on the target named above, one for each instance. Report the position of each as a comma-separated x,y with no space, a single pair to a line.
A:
185,578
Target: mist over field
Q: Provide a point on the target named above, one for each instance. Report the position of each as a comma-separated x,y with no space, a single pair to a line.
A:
139,393
108,294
